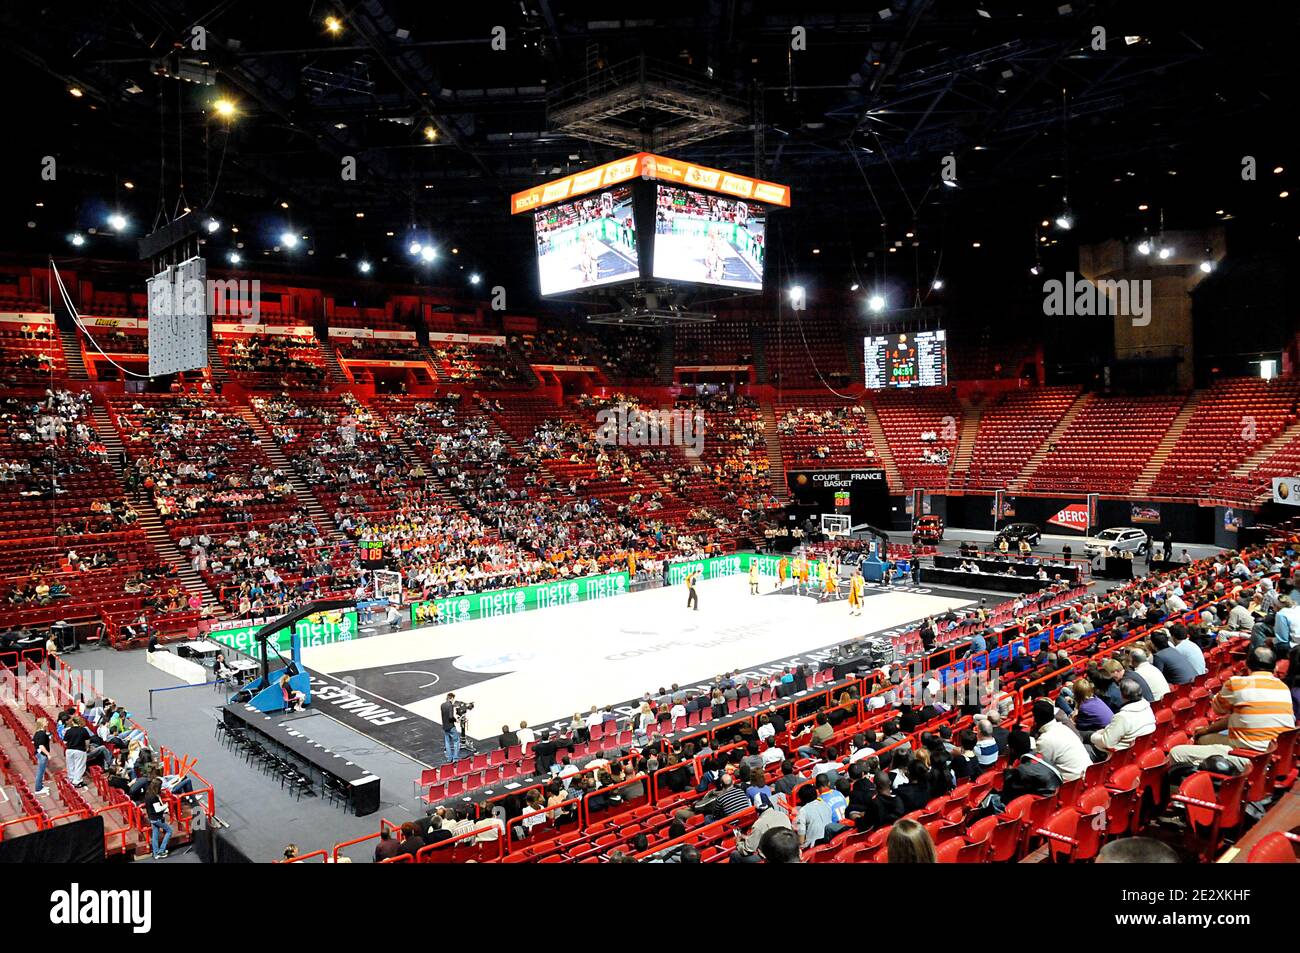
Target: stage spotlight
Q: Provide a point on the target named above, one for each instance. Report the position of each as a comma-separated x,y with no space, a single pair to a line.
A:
414,248
1207,266
428,253
950,183
1064,222
430,133
1144,248
854,286
224,107
1166,252
333,25
118,221
76,92
288,240
876,303
474,278
937,284
78,240
212,225
364,267
234,258
1034,269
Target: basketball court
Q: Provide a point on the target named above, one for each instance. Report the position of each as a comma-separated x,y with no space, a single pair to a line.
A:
544,665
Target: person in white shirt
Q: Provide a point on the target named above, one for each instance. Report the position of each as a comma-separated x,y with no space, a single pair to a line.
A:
525,735
566,770
678,711
766,730
1185,646
490,828
1131,722
1154,678
594,718
1058,744
1174,603
772,755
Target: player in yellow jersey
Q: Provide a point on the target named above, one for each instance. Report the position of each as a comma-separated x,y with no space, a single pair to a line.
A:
857,590
830,582
782,571
753,576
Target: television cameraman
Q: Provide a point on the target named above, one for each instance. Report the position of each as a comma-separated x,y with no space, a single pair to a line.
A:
453,713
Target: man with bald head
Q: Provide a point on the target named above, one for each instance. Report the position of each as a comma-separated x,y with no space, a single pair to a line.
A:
1255,709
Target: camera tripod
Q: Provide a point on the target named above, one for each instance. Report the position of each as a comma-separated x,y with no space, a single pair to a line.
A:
466,743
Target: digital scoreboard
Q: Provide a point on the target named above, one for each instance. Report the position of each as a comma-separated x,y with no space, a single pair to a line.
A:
906,360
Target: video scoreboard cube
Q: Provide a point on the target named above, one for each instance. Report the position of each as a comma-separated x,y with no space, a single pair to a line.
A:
906,360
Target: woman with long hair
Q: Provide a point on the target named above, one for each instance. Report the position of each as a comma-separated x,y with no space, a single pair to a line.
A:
909,843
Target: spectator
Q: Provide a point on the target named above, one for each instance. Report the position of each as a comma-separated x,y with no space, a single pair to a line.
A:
780,846
160,832
730,800
411,840
1137,850
1255,709
1058,744
909,843
75,742
1134,720
813,817
1091,713
41,746
1188,649
986,746
387,846
1153,677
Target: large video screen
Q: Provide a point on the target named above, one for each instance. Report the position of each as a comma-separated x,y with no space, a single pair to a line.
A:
906,360
708,239
588,242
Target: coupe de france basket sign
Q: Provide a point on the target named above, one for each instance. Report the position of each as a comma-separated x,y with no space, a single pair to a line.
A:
1286,490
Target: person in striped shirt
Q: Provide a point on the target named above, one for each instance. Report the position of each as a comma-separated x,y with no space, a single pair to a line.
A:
1256,708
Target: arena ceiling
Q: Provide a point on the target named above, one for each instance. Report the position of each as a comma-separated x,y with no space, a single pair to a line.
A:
855,108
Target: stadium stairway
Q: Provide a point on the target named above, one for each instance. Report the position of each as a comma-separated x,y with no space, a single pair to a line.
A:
151,520
439,372
1253,461
760,354
893,476
1038,456
73,356
337,373
667,360
302,493
1166,446
970,425
775,454
216,366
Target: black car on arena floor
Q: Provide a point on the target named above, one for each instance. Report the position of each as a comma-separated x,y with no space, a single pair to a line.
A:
1013,533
